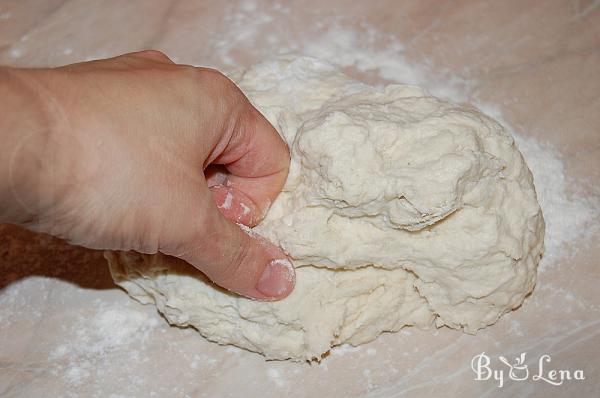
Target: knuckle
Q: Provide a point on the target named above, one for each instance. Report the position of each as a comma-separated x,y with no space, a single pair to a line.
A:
227,90
217,96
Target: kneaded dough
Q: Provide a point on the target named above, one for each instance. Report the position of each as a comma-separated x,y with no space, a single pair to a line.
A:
399,209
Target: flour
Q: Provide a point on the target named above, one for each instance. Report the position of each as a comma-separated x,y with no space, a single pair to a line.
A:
570,215
345,349
227,202
109,329
275,377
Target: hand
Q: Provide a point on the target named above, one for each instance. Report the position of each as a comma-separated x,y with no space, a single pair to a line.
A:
138,153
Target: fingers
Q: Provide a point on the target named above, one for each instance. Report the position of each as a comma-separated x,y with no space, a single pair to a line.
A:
238,260
256,160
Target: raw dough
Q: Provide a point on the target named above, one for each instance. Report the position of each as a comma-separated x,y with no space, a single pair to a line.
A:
400,209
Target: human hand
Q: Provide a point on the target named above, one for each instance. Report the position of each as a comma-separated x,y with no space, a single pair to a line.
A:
143,154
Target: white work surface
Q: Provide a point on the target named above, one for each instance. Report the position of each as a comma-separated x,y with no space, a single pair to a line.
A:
66,330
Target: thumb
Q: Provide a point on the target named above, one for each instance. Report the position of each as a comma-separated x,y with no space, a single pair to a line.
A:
238,259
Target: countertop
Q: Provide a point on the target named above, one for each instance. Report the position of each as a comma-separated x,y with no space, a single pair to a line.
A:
67,330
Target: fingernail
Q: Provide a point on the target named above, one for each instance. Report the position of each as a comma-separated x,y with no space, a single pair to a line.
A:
277,278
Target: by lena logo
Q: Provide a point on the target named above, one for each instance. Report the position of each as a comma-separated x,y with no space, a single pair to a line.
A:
482,365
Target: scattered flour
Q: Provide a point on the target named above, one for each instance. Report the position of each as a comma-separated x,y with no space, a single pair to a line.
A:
16,52
344,349
275,377
233,350
515,328
245,209
107,330
91,339
570,215
227,202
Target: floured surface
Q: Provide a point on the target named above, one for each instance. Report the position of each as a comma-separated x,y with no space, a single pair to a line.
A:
538,76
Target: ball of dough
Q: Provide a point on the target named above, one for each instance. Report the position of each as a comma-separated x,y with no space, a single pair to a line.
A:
399,209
